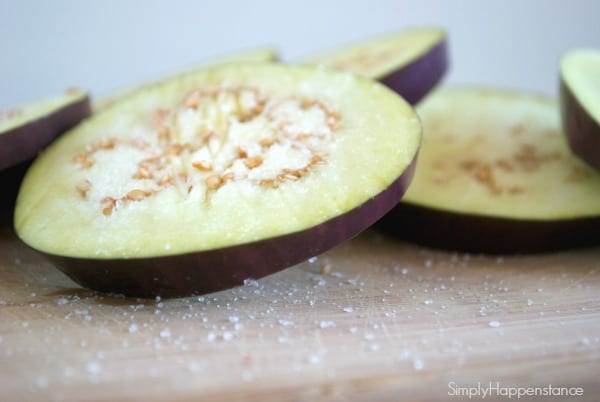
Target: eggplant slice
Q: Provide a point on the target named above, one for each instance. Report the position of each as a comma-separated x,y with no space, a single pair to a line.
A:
233,172
411,62
495,175
580,103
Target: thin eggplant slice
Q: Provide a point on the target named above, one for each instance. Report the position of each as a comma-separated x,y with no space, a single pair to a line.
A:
411,62
234,172
580,103
495,174
26,130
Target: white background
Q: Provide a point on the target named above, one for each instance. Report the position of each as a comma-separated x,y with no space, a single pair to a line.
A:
47,46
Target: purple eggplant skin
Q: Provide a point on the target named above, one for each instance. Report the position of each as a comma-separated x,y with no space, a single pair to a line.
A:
418,78
24,142
214,270
583,131
486,234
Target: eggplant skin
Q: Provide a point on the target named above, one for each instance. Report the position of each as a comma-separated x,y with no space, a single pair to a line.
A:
583,131
24,142
214,270
487,234
418,78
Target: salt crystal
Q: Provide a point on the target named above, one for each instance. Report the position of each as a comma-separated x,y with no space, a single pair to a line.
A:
167,246
157,298
93,367
327,324
369,337
62,300
530,302
41,382
314,359
250,282
165,333
211,336
227,336
133,328
404,271
348,309
374,347
428,302
25,324
585,341
494,324
418,364
286,323
233,319
238,326
312,260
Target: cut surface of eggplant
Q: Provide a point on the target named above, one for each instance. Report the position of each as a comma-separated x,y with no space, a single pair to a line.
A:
495,174
411,62
580,102
26,130
228,173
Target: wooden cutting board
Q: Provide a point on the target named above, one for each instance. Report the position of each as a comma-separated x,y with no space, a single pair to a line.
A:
374,319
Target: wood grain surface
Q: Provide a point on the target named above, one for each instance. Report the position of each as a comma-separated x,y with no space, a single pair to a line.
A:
373,319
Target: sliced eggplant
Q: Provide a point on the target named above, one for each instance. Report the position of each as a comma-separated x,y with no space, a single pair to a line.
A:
254,55
411,62
495,174
233,172
26,130
580,103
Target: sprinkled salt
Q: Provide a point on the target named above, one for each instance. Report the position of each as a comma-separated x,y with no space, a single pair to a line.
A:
327,324
250,282
211,336
585,341
494,324
312,260
530,302
233,319
133,328
62,300
41,382
418,364
348,309
428,302
167,246
165,333
93,367
404,271
227,336
314,359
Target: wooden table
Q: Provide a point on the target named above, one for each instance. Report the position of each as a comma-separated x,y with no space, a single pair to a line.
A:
390,321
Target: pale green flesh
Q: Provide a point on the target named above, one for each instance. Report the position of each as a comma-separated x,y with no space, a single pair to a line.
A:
22,115
377,137
255,55
380,56
467,129
580,70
